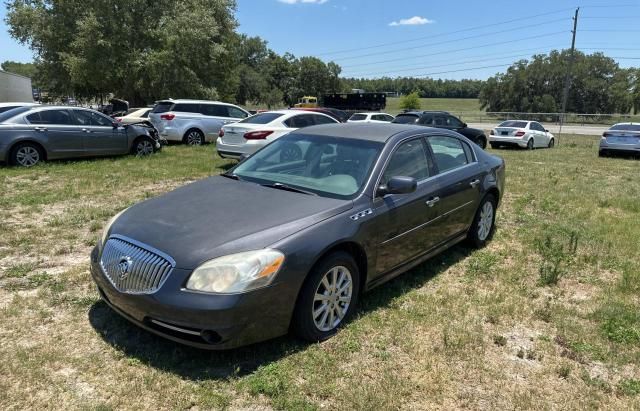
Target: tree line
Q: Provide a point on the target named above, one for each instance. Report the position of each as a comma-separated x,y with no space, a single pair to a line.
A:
144,50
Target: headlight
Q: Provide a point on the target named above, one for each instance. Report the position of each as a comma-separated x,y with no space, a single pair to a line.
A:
237,273
105,231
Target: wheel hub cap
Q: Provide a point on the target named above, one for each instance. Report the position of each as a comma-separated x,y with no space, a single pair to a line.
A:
486,221
332,298
27,156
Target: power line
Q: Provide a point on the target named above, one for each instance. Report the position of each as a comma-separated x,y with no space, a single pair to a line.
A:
610,31
461,49
441,42
483,26
459,70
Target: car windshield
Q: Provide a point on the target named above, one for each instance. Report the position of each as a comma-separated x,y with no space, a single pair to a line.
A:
12,113
261,118
328,166
405,119
358,117
514,124
626,127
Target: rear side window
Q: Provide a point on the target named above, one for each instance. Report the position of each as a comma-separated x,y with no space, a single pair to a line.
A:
262,118
236,113
409,160
358,117
187,108
162,107
405,119
214,110
7,108
55,117
12,113
300,121
426,120
448,153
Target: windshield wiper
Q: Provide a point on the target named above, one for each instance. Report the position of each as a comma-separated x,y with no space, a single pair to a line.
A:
231,176
285,187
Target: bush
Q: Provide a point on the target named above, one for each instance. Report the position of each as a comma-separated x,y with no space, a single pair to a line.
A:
410,101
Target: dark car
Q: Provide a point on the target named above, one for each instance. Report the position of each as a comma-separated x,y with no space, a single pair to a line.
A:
278,243
29,135
341,116
442,119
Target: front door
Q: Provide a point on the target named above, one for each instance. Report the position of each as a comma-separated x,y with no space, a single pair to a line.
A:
100,137
403,219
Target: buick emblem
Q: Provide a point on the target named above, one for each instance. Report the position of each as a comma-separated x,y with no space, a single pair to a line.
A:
124,267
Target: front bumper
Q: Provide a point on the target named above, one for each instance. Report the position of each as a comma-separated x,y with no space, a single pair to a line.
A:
214,322
507,141
236,151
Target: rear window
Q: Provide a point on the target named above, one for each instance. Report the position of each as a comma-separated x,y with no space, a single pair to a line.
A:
514,124
626,127
262,118
12,113
162,107
405,119
358,117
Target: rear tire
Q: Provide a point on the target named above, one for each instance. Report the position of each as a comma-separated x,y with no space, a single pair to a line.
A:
530,144
483,226
193,137
328,297
482,142
26,155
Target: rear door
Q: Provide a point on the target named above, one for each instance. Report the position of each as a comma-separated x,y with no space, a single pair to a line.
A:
63,136
459,178
404,220
99,135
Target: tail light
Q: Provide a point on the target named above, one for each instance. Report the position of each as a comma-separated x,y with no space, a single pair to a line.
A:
168,116
221,133
492,133
520,133
257,135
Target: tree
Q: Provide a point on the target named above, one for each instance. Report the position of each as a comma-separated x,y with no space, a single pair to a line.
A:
138,49
410,101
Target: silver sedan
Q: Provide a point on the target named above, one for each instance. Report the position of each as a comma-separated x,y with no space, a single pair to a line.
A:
622,138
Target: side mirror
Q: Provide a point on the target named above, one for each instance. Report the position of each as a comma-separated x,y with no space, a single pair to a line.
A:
398,185
243,157
464,125
546,130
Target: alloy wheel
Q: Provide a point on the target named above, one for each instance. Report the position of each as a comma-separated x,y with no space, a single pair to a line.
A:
486,221
194,138
27,156
144,148
332,298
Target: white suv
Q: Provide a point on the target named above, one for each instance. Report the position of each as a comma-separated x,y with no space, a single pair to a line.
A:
193,122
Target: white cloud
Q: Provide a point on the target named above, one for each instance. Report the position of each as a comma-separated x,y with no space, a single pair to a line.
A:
413,21
303,1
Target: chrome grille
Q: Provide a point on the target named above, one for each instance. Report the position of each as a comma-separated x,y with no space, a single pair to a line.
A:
134,268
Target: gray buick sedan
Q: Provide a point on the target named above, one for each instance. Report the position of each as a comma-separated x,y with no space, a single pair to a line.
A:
32,134
292,236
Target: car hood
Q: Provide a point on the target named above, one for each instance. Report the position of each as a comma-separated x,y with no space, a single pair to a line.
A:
219,216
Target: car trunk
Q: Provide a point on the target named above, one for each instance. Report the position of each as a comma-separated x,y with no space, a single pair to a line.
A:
507,131
234,134
622,137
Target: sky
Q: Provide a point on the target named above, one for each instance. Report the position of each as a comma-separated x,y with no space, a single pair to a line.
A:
451,39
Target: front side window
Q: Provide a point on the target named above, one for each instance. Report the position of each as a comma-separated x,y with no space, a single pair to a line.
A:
54,117
300,121
405,119
328,166
236,113
89,118
358,117
426,120
448,153
408,160
317,119
453,122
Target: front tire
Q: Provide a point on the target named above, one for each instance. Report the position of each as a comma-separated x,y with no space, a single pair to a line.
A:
26,155
552,143
483,226
482,142
143,147
328,297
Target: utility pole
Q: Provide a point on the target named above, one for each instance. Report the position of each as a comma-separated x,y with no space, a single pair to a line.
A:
567,80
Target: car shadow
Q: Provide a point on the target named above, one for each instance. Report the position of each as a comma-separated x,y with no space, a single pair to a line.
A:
196,364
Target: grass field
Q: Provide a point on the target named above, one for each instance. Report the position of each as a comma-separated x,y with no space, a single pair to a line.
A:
452,105
546,317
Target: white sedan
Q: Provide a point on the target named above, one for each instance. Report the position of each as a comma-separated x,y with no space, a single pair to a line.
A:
370,118
135,115
521,133
247,136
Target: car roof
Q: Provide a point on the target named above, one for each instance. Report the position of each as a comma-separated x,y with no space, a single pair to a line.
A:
182,100
17,103
367,131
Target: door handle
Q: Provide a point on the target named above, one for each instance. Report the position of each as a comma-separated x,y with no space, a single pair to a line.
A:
433,201
86,130
474,183
41,129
